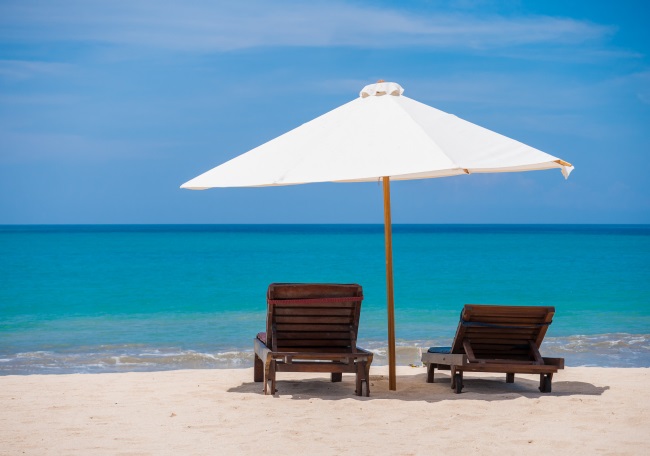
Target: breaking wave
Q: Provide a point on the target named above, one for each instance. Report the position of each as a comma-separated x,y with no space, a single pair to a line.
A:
603,350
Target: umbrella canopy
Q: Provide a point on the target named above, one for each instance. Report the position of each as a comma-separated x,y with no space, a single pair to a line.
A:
382,135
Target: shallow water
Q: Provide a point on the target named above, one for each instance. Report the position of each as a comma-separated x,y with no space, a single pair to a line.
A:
121,298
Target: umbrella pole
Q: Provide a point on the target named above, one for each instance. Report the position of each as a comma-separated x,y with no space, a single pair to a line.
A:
392,383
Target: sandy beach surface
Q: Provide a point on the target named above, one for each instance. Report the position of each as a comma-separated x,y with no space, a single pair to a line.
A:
590,411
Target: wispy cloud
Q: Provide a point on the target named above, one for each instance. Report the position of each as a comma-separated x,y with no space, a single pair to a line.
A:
512,90
543,103
22,69
489,89
38,99
40,147
203,26
638,83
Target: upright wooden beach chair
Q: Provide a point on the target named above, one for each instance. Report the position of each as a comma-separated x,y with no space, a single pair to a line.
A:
312,328
497,339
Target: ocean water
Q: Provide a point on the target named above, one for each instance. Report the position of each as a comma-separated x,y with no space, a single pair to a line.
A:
115,298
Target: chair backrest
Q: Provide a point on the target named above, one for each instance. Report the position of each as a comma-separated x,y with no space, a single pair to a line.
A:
307,317
502,332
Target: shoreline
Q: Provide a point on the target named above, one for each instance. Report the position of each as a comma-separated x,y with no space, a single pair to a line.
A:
591,410
624,350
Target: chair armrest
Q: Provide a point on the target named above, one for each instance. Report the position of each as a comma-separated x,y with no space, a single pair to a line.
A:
261,350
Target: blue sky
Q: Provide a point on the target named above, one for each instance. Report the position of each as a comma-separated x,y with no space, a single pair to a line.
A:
106,107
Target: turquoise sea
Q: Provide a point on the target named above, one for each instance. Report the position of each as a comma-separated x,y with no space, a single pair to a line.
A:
112,298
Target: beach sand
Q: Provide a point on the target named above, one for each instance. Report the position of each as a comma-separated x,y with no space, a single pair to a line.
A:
590,411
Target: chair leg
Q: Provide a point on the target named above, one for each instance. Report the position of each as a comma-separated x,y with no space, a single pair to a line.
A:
510,378
366,367
430,369
258,370
357,385
337,376
266,382
272,372
545,381
358,379
362,377
458,382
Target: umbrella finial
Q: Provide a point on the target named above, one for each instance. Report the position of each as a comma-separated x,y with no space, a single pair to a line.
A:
382,88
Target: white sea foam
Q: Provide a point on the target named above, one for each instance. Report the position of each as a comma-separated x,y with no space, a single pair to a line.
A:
605,350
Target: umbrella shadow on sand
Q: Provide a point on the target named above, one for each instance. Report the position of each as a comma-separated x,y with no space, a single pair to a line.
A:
415,388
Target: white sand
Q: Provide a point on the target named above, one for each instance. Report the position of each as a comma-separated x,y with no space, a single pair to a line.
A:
590,411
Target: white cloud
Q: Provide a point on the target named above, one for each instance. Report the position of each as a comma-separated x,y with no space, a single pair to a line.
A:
639,84
22,69
222,26
519,92
39,147
37,99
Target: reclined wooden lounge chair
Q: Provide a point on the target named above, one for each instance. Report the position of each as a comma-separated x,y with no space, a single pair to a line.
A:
497,339
312,328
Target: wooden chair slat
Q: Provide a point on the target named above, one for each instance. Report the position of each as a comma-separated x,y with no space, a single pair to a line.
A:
320,319
317,311
314,305
311,327
286,335
313,343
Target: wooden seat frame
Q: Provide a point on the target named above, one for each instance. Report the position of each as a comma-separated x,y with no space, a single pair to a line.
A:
312,328
503,339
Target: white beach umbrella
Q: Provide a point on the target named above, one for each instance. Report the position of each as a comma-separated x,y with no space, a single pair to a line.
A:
382,135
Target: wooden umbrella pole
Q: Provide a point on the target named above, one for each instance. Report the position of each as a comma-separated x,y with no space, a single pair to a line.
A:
392,381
